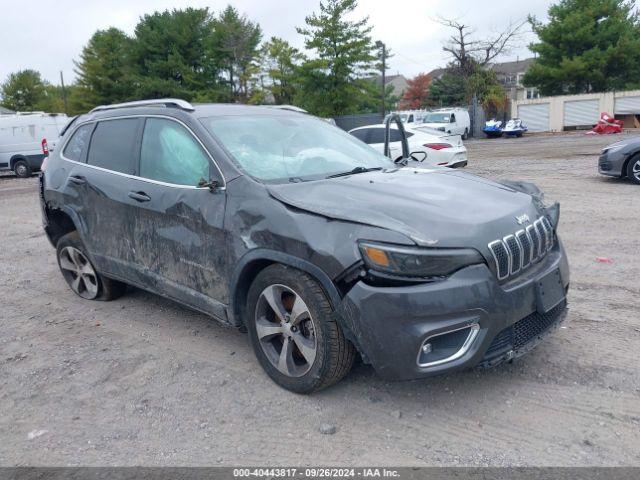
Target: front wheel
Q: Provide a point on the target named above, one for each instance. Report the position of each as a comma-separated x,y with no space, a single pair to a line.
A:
633,169
293,333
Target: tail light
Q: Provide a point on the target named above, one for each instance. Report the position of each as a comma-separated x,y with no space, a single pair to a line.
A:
438,146
45,152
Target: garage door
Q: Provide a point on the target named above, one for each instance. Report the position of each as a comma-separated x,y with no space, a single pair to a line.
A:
580,113
536,116
627,106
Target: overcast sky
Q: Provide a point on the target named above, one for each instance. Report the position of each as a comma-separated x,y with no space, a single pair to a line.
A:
47,35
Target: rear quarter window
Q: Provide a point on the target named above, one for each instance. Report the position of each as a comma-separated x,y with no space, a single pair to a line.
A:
76,148
114,145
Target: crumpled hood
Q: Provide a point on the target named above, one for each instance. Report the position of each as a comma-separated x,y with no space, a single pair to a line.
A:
434,207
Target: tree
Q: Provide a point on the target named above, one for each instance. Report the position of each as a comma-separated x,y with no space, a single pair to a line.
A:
23,90
334,83
280,61
484,85
234,48
468,73
415,96
105,69
448,90
587,46
469,53
169,54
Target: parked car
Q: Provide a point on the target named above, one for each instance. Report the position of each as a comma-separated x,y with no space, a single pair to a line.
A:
621,159
25,139
449,120
438,148
319,246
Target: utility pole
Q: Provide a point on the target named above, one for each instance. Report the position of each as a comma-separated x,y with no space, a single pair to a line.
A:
64,94
383,47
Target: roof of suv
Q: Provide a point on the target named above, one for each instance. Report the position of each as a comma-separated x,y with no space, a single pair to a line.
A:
174,107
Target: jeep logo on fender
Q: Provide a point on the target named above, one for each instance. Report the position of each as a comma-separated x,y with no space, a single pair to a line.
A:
521,219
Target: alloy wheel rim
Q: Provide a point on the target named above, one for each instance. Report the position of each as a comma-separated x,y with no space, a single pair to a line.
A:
285,330
21,170
78,272
636,170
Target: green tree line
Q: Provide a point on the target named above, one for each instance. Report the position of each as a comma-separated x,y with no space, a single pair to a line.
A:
200,56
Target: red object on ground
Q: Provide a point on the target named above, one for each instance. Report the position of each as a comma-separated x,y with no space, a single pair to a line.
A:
607,125
604,260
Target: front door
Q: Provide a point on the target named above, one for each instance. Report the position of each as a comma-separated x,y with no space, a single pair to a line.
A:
180,244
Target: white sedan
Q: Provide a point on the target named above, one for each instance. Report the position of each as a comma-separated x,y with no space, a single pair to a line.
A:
440,148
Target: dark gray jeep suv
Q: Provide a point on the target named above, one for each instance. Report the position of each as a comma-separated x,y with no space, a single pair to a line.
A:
321,247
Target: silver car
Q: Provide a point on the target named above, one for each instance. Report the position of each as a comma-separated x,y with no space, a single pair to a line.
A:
622,159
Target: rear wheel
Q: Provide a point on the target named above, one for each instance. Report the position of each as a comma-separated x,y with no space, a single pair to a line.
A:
633,169
465,135
80,274
293,333
22,169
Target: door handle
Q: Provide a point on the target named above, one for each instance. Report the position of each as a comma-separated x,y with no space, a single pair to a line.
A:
77,179
139,196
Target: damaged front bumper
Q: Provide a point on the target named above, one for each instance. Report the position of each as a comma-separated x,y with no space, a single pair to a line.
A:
479,321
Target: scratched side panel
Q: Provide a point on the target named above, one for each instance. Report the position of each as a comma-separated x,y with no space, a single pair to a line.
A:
180,242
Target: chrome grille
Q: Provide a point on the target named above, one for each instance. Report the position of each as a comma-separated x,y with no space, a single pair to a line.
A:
525,243
518,251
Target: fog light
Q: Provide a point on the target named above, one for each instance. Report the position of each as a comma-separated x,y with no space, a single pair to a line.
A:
447,346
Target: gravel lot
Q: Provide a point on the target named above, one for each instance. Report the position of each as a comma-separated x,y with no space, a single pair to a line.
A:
143,381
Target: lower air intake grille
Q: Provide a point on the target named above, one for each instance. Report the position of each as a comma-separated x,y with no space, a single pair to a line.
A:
522,332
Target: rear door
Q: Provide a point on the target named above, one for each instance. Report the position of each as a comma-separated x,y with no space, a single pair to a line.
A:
180,242
100,188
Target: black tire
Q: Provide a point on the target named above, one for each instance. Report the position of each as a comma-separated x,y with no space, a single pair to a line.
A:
633,170
333,355
465,135
93,286
22,169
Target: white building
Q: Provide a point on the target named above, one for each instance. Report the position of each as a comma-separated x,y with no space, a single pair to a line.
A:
571,112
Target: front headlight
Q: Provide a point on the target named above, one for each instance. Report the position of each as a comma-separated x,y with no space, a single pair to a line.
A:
417,262
612,148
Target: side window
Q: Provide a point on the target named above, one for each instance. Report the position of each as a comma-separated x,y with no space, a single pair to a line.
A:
77,146
113,145
361,134
171,154
376,135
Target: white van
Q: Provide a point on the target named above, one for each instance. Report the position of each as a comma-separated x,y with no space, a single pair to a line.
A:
449,120
24,137
409,116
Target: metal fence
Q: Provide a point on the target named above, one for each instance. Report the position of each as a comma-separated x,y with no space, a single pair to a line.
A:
348,122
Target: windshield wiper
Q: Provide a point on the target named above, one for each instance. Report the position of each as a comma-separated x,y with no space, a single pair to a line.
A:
354,171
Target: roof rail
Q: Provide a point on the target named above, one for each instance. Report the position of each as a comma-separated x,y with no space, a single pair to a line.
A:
159,102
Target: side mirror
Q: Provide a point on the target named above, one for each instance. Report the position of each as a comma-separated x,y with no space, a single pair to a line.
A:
419,156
